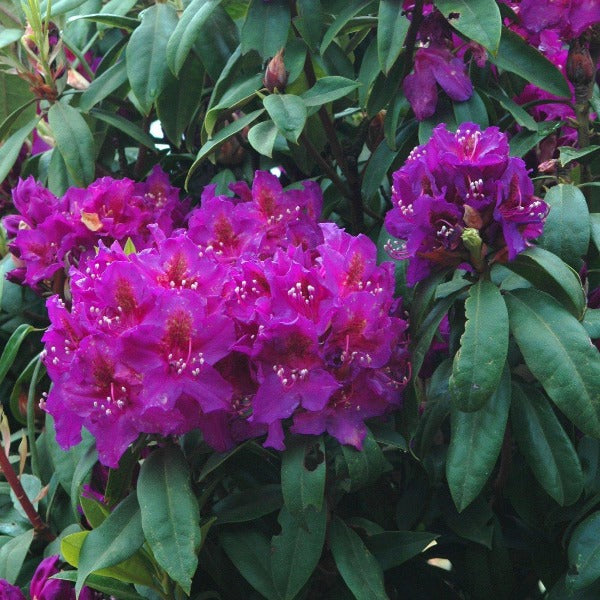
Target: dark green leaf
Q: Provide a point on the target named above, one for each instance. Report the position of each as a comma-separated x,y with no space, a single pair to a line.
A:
545,445
568,153
472,110
95,512
179,100
10,149
266,27
75,142
377,167
567,227
288,113
357,566
392,548
303,471
124,125
521,116
187,31
248,505
309,21
12,556
475,444
118,21
595,229
170,513
250,551
558,352
295,552
591,322
328,89
146,54
479,362
262,137
9,353
551,275
392,28
479,20
117,538
367,465
342,17
106,585
222,135
517,56
584,553
523,141
104,85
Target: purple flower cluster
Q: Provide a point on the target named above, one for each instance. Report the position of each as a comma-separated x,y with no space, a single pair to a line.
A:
254,315
459,200
52,233
42,587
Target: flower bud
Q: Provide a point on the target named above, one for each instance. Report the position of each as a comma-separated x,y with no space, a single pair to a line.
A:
276,76
471,240
580,69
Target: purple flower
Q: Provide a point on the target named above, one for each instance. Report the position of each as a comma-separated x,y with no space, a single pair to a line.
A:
10,592
435,64
461,198
42,587
570,17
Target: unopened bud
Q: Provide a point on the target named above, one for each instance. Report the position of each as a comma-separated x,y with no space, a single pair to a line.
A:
472,218
472,240
580,70
276,76
375,131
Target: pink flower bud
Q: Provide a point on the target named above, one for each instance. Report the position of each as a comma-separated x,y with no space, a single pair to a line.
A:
276,76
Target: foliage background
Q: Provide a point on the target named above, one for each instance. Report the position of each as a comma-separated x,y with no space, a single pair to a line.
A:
508,492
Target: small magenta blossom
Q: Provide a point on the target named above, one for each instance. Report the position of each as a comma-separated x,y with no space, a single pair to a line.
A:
461,198
254,319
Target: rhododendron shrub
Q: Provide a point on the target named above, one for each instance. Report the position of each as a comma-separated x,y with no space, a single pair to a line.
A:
299,299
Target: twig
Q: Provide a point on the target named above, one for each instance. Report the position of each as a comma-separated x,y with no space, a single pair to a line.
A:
39,526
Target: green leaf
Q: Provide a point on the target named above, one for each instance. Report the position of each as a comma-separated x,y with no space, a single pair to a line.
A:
558,352
187,31
517,56
124,125
342,17
95,512
545,445
357,566
478,364
591,322
222,135
249,504
12,556
88,459
475,443
170,513
584,553
106,585
9,353
550,274
595,229
118,538
104,85
303,470
118,21
288,113
296,551
10,149
367,465
262,137
16,103
266,27
392,27
309,22
472,110
479,20
250,551
146,54
32,487
75,142
568,153
135,569
521,116
393,548
523,141
9,36
567,227
328,89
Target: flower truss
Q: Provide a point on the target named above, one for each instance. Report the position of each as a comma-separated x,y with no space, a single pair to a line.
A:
252,316
460,200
